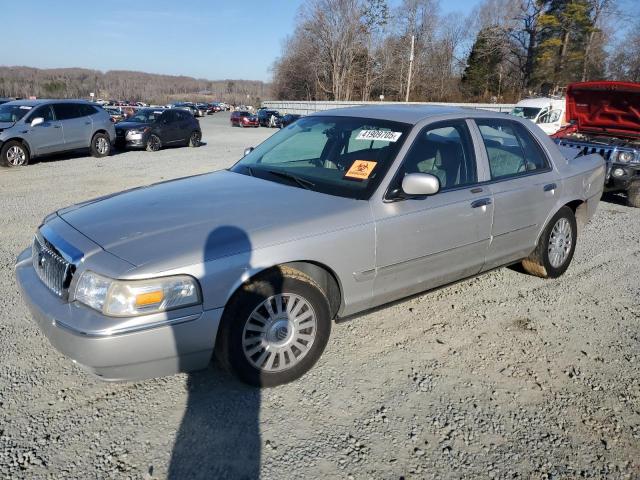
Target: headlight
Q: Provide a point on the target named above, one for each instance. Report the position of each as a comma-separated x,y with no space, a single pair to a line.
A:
136,133
626,157
127,298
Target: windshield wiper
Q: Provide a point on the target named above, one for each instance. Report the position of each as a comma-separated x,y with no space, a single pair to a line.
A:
306,184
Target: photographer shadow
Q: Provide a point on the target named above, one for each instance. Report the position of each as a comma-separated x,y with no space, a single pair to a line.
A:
219,436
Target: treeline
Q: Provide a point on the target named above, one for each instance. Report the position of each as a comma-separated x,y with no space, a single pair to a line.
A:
124,85
501,51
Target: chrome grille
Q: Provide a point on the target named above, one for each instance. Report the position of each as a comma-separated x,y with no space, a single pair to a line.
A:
54,271
604,152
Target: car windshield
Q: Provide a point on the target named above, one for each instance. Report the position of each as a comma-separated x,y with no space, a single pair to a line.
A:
147,115
343,156
13,113
526,112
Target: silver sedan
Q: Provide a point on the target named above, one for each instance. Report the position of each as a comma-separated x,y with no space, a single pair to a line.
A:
340,212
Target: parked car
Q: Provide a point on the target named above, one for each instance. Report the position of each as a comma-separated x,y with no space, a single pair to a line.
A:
188,107
344,211
243,119
548,113
154,128
33,128
603,118
115,113
287,120
5,100
268,117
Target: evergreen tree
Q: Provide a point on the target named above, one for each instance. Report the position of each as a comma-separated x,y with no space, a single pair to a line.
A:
560,56
481,77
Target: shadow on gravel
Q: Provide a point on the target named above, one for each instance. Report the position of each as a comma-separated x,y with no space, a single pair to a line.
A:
219,437
71,155
615,198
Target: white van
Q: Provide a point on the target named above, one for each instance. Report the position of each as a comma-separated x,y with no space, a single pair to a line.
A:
548,113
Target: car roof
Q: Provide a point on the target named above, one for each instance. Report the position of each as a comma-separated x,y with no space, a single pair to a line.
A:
537,102
34,103
410,114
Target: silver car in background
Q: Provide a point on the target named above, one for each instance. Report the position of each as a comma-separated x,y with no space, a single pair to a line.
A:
33,128
339,212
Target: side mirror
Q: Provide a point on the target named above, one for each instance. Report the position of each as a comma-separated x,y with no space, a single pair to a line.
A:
37,121
420,184
247,151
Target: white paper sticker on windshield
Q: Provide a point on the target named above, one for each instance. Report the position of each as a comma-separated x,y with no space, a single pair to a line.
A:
25,107
382,135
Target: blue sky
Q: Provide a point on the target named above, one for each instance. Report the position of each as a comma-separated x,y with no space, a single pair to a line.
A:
206,39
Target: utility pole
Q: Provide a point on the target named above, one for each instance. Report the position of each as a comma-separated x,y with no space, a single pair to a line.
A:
413,39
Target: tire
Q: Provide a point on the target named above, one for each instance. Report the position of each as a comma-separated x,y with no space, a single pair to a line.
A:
153,143
14,154
549,260
240,346
194,139
100,145
633,194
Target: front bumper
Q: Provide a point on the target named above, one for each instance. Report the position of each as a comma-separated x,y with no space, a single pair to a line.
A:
176,343
123,142
617,182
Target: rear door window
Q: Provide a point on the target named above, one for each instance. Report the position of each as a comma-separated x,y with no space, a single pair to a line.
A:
511,149
68,111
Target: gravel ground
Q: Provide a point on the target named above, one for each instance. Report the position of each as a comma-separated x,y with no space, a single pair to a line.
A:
502,376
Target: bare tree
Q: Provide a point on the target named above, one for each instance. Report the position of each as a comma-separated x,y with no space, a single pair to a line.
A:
599,9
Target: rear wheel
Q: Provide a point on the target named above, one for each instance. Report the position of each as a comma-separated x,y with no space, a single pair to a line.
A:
14,154
194,139
556,246
274,328
633,194
100,145
153,143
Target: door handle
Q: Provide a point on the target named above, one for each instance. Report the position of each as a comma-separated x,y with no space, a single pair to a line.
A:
476,190
550,186
57,126
481,202
87,123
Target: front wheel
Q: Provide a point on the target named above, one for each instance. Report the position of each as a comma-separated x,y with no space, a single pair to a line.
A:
194,139
14,154
274,328
153,143
100,145
556,246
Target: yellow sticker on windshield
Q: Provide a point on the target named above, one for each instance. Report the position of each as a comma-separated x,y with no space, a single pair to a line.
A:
361,169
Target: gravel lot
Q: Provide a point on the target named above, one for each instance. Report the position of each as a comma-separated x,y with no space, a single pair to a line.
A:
502,376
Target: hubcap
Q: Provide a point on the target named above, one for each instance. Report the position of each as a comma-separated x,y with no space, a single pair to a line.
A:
154,142
279,332
102,145
195,138
16,156
560,242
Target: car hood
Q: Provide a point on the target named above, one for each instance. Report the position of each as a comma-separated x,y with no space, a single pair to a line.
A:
604,107
173,223
128,125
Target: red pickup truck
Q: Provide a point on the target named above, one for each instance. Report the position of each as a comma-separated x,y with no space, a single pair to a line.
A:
604,118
